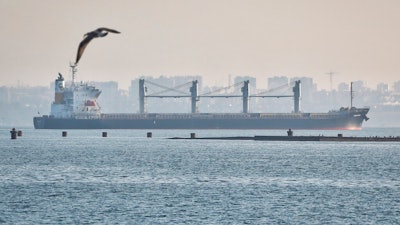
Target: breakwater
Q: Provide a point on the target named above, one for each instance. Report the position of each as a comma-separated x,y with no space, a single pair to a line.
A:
339,138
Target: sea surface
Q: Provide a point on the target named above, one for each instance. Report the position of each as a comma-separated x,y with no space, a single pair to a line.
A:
127,178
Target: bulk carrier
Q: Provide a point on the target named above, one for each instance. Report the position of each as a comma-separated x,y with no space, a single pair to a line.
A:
75,107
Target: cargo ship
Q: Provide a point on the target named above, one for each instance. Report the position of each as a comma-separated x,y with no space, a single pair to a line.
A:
75,107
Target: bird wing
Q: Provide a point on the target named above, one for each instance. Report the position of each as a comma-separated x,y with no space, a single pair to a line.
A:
109,30
89,36
82,47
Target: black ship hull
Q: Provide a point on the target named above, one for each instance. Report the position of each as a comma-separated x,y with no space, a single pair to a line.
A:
336,120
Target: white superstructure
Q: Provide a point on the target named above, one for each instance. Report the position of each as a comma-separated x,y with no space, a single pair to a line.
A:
79,100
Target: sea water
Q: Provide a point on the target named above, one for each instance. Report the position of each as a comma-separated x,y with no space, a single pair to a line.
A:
127,178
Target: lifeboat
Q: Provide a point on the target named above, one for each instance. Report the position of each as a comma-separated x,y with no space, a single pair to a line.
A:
90,103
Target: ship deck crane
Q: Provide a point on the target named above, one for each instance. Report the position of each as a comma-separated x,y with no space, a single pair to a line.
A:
195,97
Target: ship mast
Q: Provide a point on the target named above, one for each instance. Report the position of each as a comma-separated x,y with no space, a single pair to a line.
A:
73,72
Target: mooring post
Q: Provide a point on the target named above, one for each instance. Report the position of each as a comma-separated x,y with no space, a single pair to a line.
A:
13,133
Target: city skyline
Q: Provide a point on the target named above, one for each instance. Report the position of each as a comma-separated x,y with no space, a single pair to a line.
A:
356,40
266,84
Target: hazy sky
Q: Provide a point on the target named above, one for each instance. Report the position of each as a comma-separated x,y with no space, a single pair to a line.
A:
358,39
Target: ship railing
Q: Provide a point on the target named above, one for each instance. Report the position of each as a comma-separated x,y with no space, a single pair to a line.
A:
300,115
222,115
326,116
123,116
283,115
178,116
86,116
217,116
236,116
200,115
173,116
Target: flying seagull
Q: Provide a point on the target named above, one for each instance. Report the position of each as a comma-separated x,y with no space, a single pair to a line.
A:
99,32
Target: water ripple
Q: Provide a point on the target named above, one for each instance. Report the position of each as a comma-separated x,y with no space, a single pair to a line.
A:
125,179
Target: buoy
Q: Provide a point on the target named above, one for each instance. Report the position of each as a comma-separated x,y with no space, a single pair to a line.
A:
19,133
13,133
104,134
192,135
149,134
64,133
